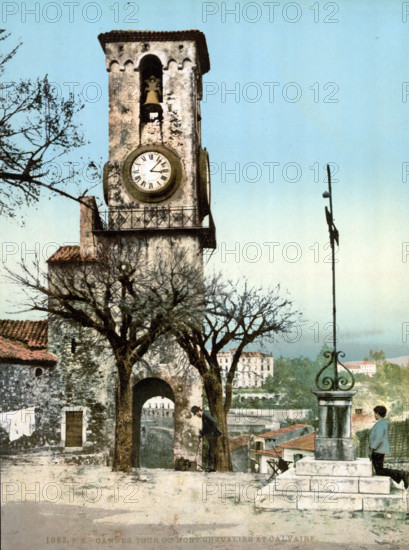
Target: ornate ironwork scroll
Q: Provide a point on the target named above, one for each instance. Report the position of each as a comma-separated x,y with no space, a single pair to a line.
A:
343,380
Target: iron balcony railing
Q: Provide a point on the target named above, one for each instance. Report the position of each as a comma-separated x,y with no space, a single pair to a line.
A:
150,217
159,217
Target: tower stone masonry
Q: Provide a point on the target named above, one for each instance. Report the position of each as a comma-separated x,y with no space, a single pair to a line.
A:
157,192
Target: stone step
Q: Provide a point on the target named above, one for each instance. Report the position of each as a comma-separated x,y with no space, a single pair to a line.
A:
290,480
375,485
352,502
309,466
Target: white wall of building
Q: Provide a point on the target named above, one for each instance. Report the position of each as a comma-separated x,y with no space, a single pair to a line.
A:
253,368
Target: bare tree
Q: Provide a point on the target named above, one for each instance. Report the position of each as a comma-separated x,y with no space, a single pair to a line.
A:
122,297
37,127
236,314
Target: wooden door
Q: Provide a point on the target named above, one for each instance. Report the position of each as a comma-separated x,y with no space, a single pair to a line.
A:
73,430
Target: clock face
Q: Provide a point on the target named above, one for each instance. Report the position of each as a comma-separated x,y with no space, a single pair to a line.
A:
151,171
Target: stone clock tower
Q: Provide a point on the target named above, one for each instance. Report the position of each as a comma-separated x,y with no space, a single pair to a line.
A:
157,183
157,176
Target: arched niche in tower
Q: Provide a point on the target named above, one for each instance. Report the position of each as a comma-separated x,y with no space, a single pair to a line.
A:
150,70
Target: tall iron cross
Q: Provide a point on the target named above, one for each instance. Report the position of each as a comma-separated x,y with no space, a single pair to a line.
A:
337,381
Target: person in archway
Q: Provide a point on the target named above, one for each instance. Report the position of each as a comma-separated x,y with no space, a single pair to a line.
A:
379,447
211,432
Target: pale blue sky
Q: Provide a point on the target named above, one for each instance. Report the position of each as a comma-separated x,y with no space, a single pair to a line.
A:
337,97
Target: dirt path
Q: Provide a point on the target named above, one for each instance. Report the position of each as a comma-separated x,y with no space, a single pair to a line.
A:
87,507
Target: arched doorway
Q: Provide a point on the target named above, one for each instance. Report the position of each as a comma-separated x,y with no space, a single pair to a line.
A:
153,434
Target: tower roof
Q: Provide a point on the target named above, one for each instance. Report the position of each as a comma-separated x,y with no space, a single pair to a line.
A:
160,36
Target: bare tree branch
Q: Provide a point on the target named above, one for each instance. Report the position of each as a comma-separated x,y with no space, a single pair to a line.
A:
36,129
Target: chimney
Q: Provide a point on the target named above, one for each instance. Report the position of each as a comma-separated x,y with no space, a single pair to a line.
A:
89,221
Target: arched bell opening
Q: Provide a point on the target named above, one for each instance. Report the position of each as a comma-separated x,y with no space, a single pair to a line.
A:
151,83
153,427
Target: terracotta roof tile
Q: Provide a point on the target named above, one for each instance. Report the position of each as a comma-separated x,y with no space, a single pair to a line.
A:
24,342
274,453
32,333
13,351
303,443
282,430
70,254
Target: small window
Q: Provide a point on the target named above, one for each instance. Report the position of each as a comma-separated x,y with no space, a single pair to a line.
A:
38,372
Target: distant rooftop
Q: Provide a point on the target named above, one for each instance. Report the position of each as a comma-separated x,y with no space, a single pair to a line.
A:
284,430
70,254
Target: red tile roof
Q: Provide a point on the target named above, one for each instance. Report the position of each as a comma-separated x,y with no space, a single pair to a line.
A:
274,453
12,351
303,443
70,254
24,342
282,430
32,333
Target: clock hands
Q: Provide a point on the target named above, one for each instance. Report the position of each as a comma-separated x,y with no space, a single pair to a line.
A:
159,171
153,169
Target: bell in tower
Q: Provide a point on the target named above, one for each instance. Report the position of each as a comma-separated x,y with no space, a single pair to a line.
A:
152,109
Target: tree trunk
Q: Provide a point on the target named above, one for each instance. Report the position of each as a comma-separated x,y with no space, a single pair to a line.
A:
214,394
123,428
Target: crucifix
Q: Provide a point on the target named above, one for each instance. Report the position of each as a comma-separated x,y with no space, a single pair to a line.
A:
337,381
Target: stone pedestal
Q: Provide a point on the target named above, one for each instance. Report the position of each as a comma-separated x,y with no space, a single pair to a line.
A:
347,485
334,441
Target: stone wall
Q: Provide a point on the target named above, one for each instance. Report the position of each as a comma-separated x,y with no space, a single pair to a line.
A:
38,386
82,380
87,373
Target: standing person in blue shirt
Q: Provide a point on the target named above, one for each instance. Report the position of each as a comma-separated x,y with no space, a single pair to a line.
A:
379,447
211,432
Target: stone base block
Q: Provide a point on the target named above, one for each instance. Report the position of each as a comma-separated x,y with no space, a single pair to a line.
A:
391,503
334,448
308,466
331,485
290,480
375,484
